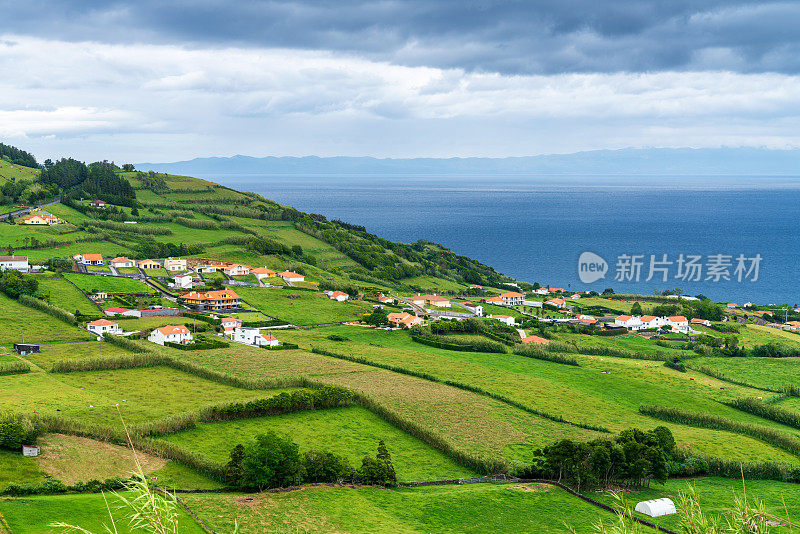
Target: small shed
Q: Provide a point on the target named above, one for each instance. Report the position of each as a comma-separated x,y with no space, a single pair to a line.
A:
656,507
25,348
30,450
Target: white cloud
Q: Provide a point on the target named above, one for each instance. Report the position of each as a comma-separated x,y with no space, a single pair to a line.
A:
168,102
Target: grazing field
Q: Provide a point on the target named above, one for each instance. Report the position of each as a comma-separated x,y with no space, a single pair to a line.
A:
68,251
141,394
472,508
753,334
467,421
66,351
310,308
602,391
108,284
65,295
763,372
33,515
18,321
15,468
157,272
352,432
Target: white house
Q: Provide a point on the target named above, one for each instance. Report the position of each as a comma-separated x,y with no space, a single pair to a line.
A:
20,263
89,259
289,276
98,204
252,336
383,299
477,309
236,269
651,321
678,322
558,303
122,311
183,280
263,272
175,264
629,322
337,296
170,333
229,324
507,319
103,326
702,322
542,291
98,295
121,262
731,305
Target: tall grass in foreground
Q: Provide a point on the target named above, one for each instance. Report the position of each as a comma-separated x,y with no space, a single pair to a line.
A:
715,422
14,368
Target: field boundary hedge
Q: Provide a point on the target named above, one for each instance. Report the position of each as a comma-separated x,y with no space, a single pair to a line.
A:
14,368
459,385
54,311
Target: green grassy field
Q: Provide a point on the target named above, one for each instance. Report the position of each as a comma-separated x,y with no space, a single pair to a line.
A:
33,515
68,251
310,308
18,321
717,494
763,372
65,351
65,295
473,508
108,284
141,394
15,468
602,391
351,432
10,171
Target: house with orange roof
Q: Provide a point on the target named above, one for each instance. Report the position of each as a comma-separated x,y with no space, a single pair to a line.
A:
558,303
731,305
289,276
220,300
430,300
14,263
575,296
678,322
792,325
475,286
170,334
542,291
511,298
383,299
701,322
263,272
103,326
41,218
236,269
88,259
253,336
506,319
651,321
337,296
404,320
536,340
149,264
628,321
120,262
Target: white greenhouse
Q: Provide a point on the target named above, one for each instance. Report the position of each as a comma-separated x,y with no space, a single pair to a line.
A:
656,507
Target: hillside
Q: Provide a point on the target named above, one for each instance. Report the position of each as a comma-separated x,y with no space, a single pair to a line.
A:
366,385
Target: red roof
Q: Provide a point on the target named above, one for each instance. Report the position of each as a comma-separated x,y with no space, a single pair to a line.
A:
511,294
270,337
173,329
677,318
623,317
647,318
535,339
92,257
117,310
102,322
290,274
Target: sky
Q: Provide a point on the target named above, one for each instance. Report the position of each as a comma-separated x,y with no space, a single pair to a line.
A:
165,81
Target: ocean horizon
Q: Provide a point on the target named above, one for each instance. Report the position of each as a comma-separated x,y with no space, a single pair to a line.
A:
534,228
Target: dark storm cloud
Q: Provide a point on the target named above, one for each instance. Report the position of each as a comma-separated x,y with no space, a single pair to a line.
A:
510,37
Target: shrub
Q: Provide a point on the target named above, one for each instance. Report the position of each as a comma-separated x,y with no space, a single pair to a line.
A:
13,368
271,461
17,430
321,466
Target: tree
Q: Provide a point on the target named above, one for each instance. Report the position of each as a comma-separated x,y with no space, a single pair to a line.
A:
608,291
128,167
234,469
377,318
636,309
325,467
384,456
271,461
13,283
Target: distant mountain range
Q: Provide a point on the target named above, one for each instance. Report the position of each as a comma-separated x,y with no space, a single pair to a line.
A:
683,161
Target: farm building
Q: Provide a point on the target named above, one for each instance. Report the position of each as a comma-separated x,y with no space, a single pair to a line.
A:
430,300
99,295
25,348
30,450
289,276
337,296
656,507
252,336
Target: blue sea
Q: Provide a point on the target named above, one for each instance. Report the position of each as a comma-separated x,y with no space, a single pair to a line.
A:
535,228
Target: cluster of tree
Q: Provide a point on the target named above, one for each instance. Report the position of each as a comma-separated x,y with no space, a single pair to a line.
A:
17,157
378,317
99,179
634,458
16,431
152,180
13,283
149,248
274,461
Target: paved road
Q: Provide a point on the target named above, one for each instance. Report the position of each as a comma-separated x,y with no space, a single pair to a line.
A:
23,211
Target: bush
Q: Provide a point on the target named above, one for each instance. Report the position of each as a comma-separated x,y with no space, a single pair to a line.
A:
200,343
271,461
13,368
17,430
321,466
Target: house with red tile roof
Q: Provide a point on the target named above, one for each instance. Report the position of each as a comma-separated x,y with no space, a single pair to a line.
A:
263,272
430,300
337,295
121,262
506,319
558,303
404,320
220,300
289,276
103,326
88,259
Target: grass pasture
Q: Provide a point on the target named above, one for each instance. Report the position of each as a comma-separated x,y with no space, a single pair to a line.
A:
351,432
472,508
34,515
65,295
310,308
18,321
114,285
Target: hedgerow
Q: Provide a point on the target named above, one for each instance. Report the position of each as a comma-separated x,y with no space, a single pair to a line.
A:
541,353
13,368
766,410
55,311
